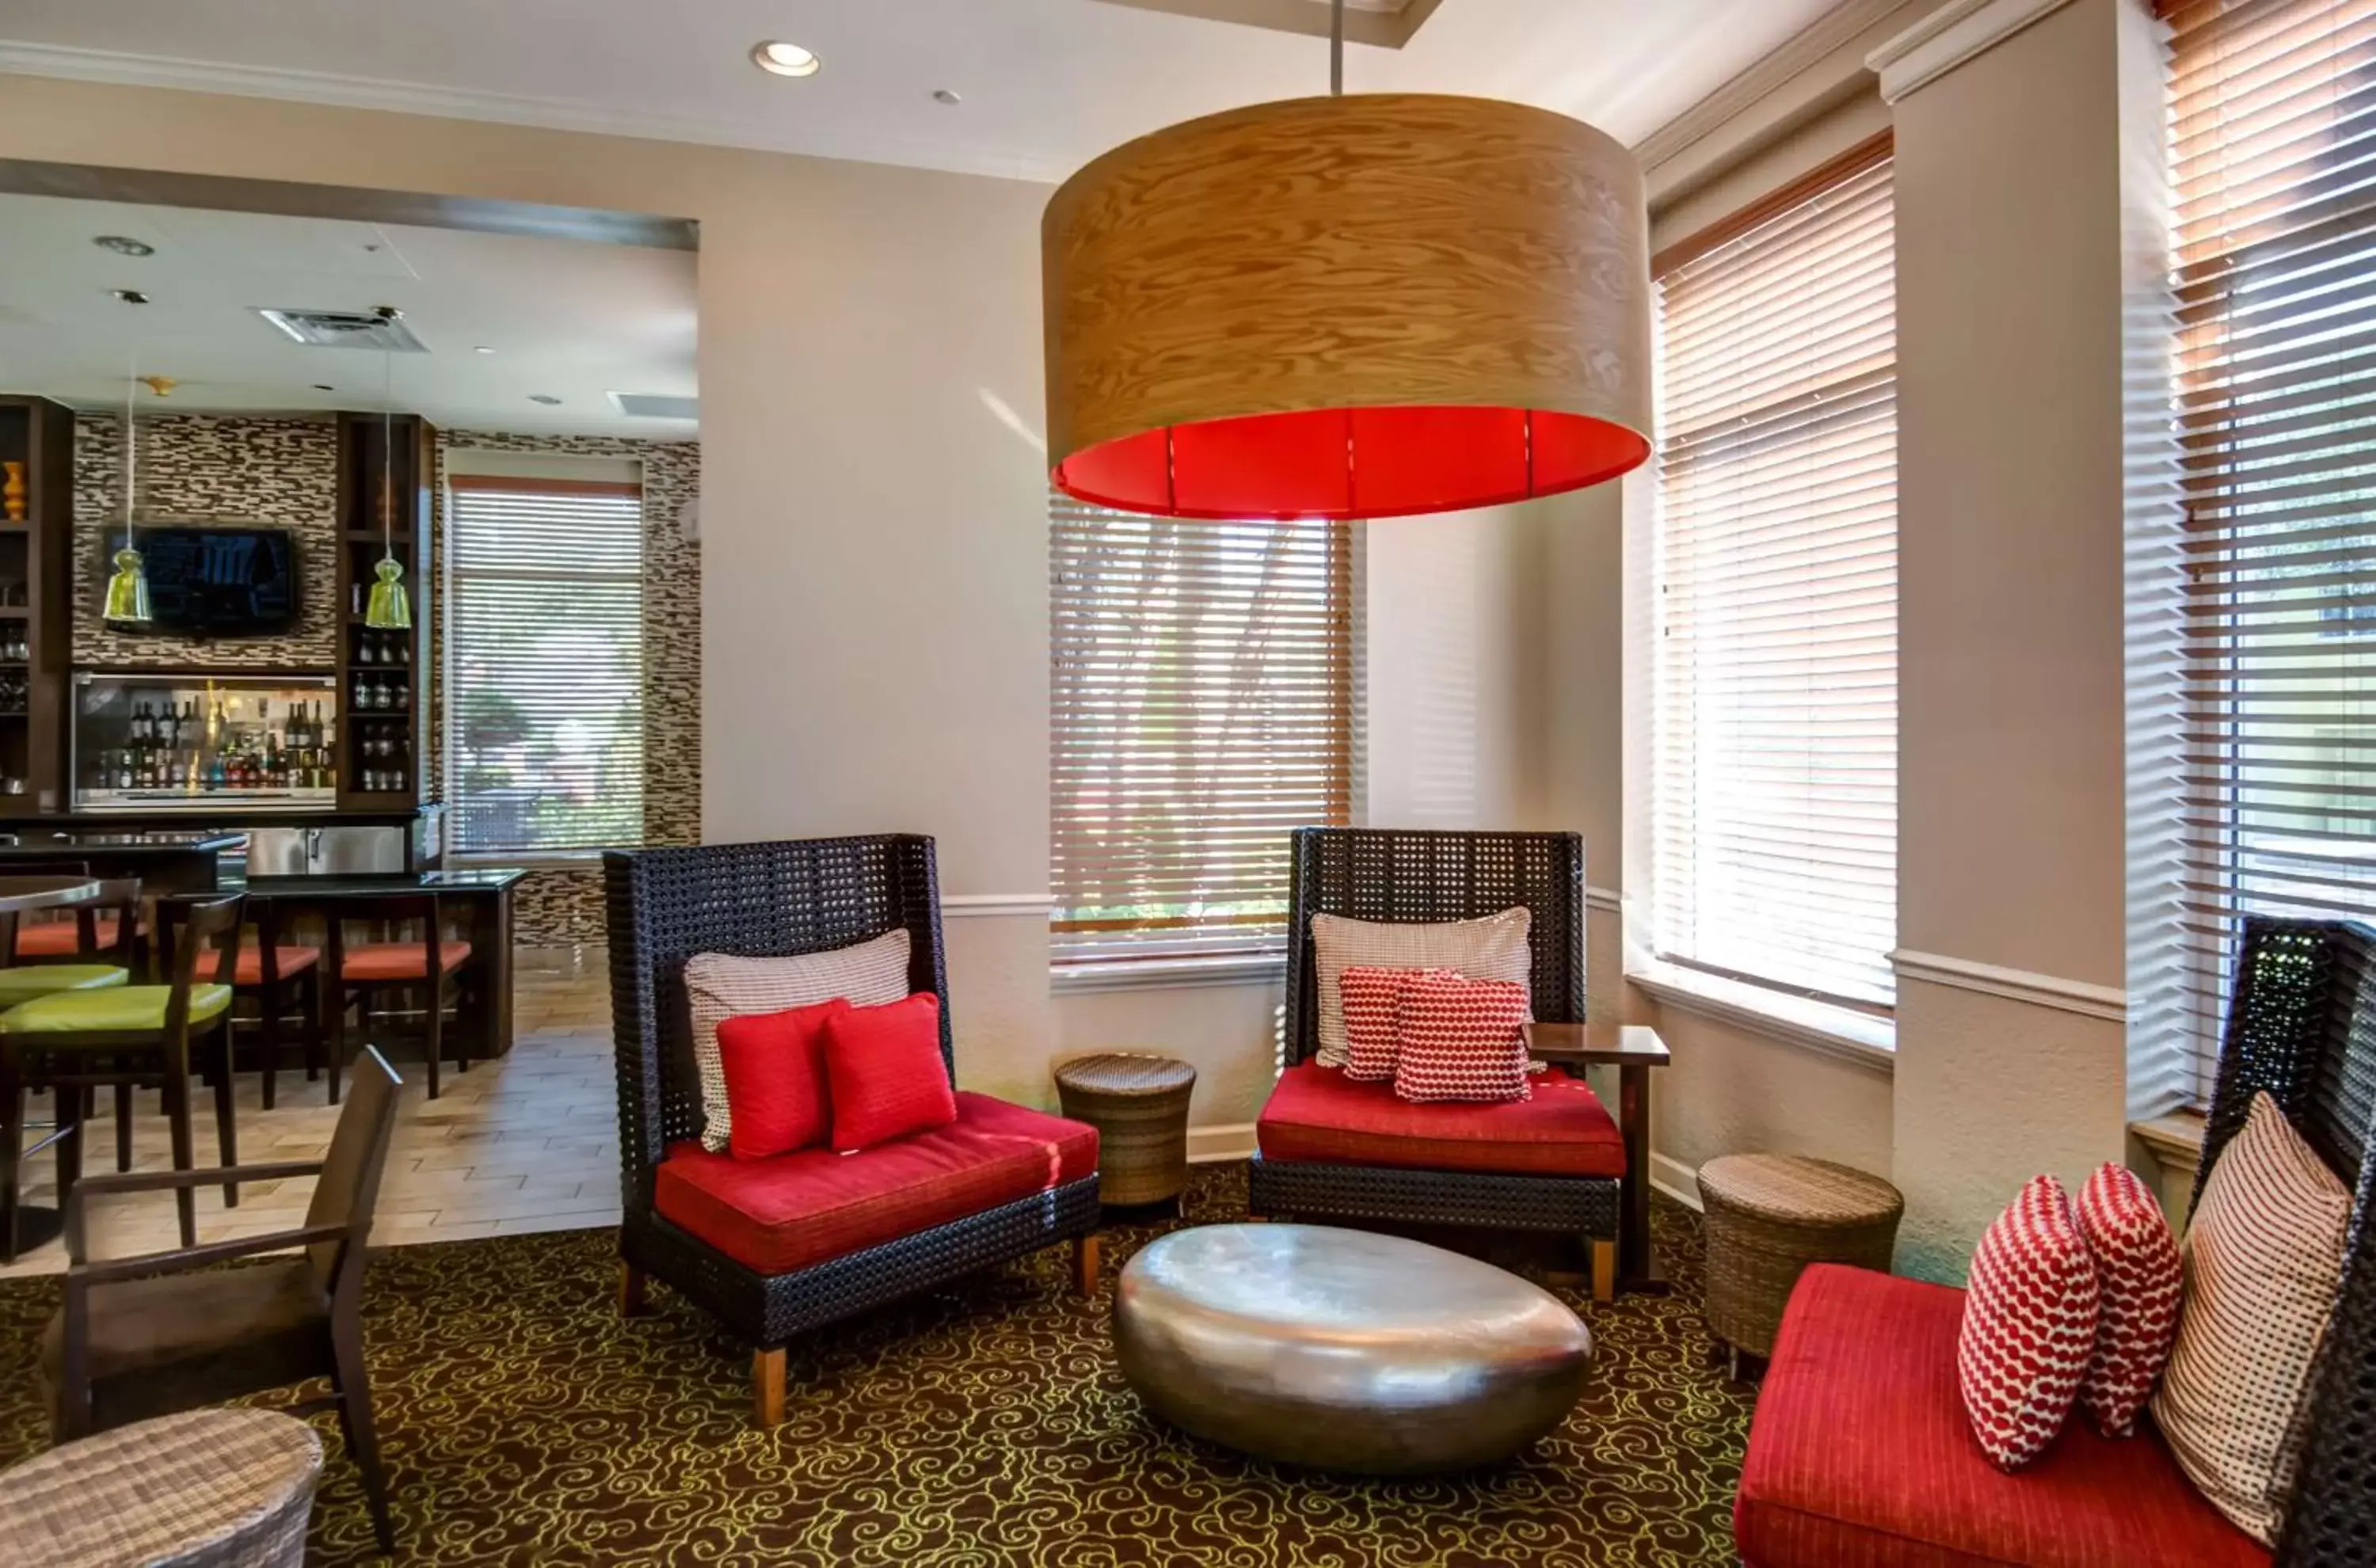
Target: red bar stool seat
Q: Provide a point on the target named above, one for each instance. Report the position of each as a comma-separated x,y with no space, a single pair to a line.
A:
393,961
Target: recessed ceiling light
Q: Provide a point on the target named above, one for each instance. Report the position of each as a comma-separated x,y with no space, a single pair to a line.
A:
944,95
125,244
324,386
547,398
784,59
130,296
481,349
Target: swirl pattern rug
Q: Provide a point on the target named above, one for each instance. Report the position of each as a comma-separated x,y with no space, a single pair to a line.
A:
524,1422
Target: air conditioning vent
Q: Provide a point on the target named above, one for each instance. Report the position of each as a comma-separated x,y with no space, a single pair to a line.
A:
656,406
344,329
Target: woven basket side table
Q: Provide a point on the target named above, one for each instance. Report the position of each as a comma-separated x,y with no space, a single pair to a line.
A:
205,1489
1768,1216
1138,1103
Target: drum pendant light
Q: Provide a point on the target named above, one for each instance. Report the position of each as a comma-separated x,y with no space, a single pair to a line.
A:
1358,306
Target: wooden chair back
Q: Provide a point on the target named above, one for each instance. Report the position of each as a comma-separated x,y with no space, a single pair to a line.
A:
427,909
348,1190
197,941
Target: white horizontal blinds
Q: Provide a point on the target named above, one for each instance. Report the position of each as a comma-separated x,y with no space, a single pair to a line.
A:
1776,664
1200,709
544,664
2272,120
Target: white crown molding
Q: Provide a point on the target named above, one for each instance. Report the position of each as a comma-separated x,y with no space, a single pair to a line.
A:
2015,985
1946,38
1606,899
975,905
1800,52
119,69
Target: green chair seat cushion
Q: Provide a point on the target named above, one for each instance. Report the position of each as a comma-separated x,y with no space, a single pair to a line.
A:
26,983
117,1009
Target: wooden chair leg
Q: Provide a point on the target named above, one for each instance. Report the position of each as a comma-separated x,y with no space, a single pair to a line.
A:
634,1295
1604,1270
1085,1265
226,1112
435,1014
123,1124
177,1116
12,1147
767,1386
73,1106
461,1023
355,1416
268,1041
336,990
309,1004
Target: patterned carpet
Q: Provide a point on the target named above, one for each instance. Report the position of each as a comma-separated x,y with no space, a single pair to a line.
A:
526,1423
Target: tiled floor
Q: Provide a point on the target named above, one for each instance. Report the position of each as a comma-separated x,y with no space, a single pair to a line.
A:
527,1143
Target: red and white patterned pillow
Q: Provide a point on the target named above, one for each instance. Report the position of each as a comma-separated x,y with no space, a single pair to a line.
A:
2029,1325
2138,1270
1462,1040
1374,1019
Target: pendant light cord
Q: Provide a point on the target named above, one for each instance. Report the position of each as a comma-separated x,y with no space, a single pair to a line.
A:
131,445
386,454
1337,48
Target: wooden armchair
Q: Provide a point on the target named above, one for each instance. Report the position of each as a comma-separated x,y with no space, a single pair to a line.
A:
143,1337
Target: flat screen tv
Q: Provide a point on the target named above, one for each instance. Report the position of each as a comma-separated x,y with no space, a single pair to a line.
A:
221,582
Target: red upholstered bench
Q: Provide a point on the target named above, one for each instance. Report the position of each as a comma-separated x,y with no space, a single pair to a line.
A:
798,1210
1861,1456
1318,1114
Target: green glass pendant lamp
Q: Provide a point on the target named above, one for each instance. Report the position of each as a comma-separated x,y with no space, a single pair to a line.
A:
127,588
389,608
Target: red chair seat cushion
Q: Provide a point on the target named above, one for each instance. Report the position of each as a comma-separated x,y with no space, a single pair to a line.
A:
1861,1456
797,1210
1318,1115
399,960
290,961
62,938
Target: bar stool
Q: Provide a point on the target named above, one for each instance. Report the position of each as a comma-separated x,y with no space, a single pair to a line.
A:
72,1041
435,967
104,955
279,976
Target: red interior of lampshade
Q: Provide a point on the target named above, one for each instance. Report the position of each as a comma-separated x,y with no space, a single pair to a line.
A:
1351,462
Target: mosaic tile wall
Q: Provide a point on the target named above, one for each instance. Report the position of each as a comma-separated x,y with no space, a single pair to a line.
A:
563,906
283,472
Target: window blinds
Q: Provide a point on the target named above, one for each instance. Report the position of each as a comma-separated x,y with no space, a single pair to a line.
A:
2273,146
544,664
1200,709
1775,786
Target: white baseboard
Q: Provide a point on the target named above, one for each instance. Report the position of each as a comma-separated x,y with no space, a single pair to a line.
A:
1678,1180
1227,1141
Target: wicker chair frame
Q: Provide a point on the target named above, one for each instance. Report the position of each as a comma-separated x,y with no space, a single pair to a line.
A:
772,899
2302,1024
1415,876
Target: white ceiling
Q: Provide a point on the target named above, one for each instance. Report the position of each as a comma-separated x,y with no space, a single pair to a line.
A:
1046,84
566,318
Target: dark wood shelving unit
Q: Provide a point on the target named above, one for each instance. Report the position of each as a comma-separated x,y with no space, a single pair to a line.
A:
375,738
37,594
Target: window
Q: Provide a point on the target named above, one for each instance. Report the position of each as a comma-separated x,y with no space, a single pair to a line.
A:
1200,709
544,664
1775,671
2273,149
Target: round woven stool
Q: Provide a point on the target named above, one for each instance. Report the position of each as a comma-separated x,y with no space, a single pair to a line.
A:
1138,1103
206,1489
1771,1215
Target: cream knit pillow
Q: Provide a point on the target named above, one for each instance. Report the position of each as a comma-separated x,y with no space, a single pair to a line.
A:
721,985
1493,948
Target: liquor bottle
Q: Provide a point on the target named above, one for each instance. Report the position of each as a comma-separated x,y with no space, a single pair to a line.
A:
363,653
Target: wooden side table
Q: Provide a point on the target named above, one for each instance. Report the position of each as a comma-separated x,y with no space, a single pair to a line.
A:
1138,1103
1771,1215
1632,1049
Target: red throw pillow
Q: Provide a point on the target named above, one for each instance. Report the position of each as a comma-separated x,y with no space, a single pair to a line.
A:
884,1068
774,1065
2138,1269
1372,999
1461,1039
2029,1325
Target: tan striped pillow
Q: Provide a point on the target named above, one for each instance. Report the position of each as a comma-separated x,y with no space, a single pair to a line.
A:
720,986
2263,1266
1492,949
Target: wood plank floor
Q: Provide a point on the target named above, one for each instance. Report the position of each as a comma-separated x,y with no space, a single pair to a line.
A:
525,1143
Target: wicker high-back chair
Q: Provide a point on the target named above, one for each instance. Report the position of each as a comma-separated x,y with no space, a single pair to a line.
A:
2303,1026
1406,876
762,900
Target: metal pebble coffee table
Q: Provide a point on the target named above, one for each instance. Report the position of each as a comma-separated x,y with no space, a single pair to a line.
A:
1343,1350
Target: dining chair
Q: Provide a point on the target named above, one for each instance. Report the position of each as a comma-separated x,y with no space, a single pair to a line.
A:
281,977
146,1335
438,968
73,1041
104,929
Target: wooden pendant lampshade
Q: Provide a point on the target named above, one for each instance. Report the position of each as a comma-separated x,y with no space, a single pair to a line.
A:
1362,306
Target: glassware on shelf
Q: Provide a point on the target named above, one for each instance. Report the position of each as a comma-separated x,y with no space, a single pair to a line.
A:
149,740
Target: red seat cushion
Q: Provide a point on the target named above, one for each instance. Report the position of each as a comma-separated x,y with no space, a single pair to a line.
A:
799,1209
1861,1456
885,1071
292,962
1319,1115
398,960
62,938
